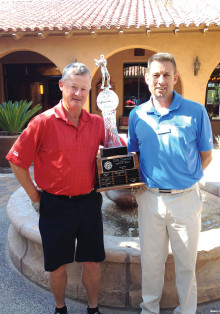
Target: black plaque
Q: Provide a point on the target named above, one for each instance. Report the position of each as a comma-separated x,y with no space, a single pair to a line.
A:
119,163
118,172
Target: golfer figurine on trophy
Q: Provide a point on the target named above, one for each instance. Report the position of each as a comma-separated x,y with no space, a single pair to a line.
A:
116,168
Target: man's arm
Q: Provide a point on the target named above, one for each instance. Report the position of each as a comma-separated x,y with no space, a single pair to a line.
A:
206,158
24,178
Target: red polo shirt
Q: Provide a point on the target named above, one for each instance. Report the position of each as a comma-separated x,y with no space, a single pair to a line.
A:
64,156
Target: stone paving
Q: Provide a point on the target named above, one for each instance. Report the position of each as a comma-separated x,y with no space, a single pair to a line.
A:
7,186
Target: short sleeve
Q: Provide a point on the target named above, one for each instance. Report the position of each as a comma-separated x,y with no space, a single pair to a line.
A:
132,138
205,137
24,149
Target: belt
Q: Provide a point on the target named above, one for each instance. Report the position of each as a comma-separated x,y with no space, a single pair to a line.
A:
169,191
70,197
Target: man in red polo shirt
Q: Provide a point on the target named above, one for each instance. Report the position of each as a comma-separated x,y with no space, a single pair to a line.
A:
63,143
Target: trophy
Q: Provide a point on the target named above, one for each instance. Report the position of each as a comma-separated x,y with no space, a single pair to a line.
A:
117,169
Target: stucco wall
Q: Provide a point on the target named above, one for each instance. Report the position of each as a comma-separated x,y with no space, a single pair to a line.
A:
185,46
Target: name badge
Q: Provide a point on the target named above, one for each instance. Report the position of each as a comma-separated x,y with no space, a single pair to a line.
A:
164,129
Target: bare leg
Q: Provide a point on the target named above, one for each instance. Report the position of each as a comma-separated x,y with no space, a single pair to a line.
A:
91,282
58,282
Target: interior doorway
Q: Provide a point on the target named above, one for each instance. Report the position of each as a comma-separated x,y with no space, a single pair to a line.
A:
32,77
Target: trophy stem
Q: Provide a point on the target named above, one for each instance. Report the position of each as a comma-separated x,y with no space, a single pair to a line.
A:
111,134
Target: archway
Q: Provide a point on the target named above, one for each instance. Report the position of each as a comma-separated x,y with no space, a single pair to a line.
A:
127,69
29,75
213,94
212,102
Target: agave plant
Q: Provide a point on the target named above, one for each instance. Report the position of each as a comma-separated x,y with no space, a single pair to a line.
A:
14,116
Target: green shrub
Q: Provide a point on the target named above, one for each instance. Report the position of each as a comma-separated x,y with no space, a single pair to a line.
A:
14,116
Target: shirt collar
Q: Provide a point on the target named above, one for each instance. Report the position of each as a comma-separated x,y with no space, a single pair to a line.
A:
60,113
174,105
177,99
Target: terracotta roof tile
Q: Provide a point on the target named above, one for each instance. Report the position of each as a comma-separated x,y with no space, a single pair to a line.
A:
40,15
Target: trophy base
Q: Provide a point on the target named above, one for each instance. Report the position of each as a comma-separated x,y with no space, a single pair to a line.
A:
119,187
118,172
113,151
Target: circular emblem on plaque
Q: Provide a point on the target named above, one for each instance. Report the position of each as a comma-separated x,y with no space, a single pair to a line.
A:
108,165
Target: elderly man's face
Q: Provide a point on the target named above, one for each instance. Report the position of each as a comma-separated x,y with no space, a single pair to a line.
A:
75,90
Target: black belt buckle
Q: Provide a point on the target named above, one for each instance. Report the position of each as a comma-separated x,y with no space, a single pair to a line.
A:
164,190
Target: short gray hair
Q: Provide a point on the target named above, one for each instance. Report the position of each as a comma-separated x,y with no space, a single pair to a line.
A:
161,57
75,68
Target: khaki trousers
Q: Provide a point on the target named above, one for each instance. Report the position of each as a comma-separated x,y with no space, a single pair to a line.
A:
163,218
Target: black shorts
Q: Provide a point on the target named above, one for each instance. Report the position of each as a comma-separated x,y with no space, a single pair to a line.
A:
64,220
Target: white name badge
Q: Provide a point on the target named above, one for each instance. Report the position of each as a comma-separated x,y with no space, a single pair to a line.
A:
164,129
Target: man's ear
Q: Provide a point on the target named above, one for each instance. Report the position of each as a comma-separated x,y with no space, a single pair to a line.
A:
61,85
176,77
147,78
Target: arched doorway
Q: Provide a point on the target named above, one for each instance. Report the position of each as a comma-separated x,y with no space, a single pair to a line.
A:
212,102
213,94
29,75
126,69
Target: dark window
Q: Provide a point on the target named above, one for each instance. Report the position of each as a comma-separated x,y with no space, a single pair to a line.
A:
138,52
135,88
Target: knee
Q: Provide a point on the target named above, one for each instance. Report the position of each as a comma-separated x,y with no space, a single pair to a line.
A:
91,267
59,270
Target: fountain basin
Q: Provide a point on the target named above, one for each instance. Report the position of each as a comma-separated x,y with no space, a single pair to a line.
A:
121,270
124,198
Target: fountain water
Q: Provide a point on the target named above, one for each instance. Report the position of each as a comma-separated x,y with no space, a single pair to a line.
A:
120,212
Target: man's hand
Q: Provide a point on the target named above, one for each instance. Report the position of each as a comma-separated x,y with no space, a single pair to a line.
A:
35,195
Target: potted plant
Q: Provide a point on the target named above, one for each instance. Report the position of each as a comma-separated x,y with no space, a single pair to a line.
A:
13,118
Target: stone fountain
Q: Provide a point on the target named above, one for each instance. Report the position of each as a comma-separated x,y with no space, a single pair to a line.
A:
121,270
